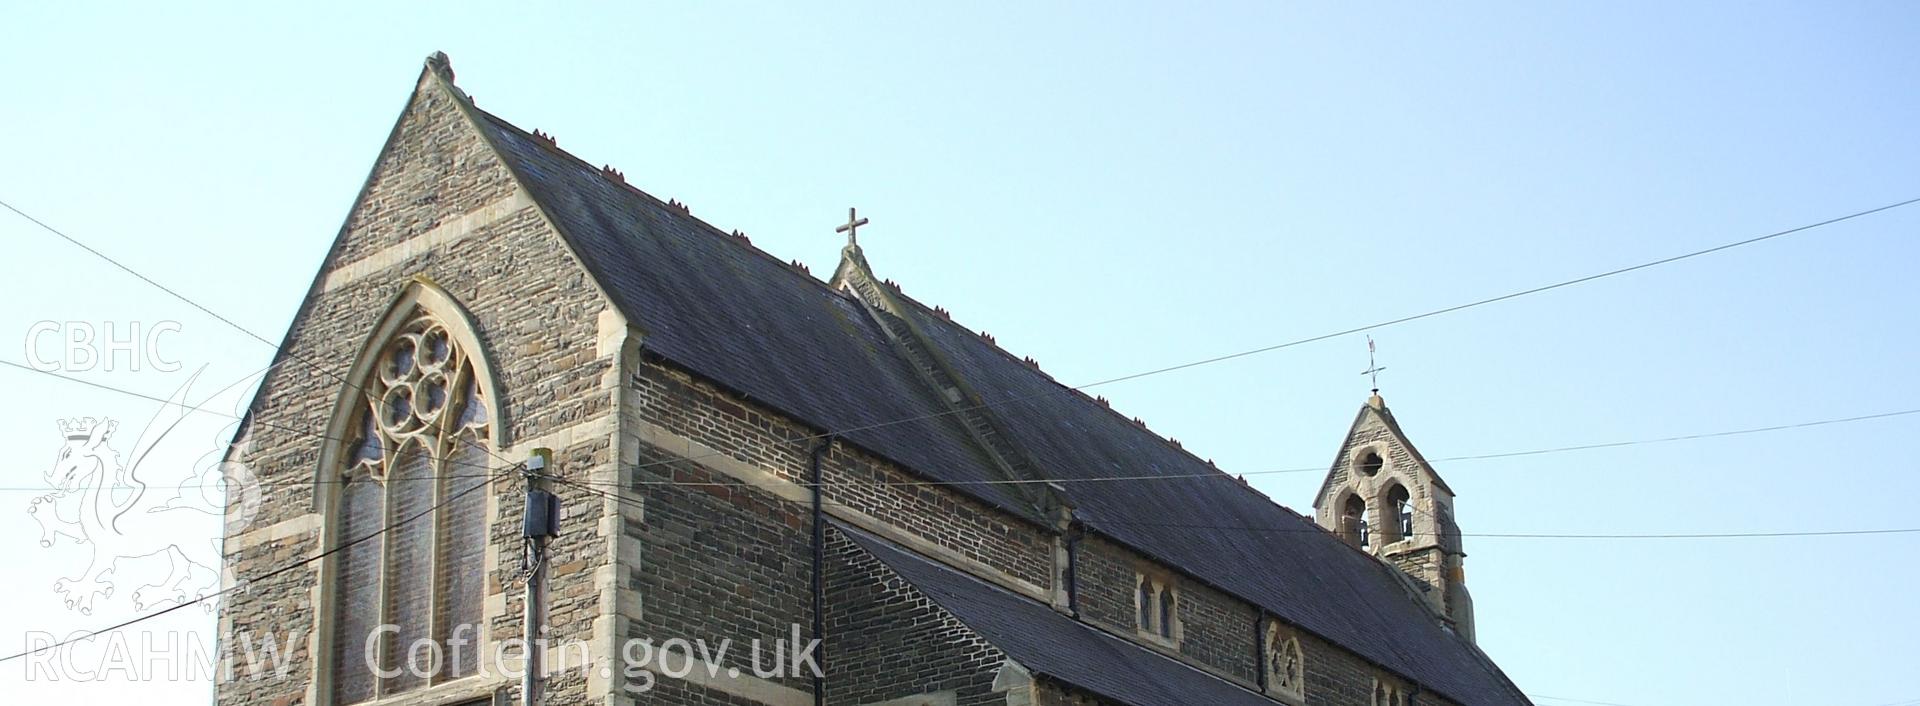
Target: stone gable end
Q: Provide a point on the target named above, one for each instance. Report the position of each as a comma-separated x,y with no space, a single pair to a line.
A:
440,209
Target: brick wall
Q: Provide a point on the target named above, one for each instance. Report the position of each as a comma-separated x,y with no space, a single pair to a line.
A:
889,641
720,561
688,407
1336,678
1216,630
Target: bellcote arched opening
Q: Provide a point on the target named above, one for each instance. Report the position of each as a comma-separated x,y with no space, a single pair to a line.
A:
1353,521
1400,503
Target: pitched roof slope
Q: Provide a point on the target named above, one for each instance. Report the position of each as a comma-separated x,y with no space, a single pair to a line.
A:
743,319
734,315
1232,537
1053,645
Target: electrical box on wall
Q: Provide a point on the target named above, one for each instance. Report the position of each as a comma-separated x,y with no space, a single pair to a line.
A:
542,518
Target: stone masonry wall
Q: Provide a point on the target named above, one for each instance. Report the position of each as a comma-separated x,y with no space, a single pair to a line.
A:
1423,557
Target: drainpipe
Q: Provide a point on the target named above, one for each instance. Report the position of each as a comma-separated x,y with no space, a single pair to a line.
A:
1260,651
819,561
1073,568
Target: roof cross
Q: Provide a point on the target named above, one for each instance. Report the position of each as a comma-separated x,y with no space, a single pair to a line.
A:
1373,370
852,227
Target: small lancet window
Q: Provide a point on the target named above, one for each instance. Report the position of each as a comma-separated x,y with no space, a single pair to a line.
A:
1158,604
1166,614
1387,694
1353,521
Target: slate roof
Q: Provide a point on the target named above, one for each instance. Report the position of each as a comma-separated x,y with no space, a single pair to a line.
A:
736,316
1053,645
710,303
1297,571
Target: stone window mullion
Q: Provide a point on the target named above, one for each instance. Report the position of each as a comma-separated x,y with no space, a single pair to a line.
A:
379,649
447,438
436,546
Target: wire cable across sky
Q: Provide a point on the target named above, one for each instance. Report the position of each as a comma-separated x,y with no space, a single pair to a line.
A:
1132,376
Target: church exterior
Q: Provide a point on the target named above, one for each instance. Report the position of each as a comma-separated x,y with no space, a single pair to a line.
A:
743,452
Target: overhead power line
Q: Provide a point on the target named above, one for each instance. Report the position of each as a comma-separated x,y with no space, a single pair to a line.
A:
1201,362
1133,376
1316,529
222,319
1112,479
1687,437
1225,475
1577,701
1362,328
1548,535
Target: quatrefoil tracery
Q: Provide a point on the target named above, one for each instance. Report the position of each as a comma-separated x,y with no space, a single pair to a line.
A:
424,392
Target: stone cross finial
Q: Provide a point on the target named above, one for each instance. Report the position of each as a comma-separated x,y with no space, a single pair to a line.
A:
852,227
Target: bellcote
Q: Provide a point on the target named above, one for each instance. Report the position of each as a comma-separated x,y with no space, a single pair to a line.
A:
1383,497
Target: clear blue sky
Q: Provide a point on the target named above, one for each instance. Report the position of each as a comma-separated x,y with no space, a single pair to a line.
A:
1112,188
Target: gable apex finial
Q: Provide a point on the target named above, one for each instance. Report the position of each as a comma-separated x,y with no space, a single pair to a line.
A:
852,227
440,65
1373,374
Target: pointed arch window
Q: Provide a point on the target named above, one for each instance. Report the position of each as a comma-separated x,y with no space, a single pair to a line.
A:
1164,626
417,448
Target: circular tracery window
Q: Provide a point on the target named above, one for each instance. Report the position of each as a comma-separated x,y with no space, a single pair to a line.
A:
1370,462
422,375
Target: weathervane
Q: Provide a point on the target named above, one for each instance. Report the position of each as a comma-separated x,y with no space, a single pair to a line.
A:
852,227
1373,370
